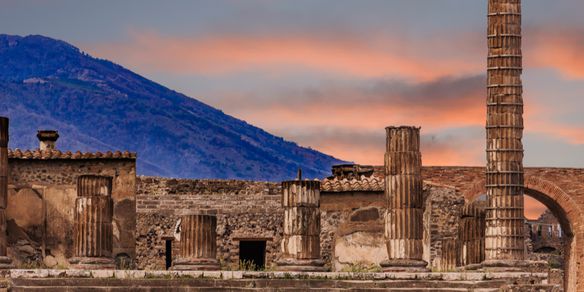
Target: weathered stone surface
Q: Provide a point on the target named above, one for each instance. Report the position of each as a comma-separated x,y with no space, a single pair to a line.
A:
5,261
504,236
198,243
301,240
472,234
93,223
55,182
404,197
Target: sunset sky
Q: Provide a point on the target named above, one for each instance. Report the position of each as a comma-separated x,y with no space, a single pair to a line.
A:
332,74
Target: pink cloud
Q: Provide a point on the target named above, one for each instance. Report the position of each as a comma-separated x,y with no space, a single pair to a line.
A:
556,48
223,54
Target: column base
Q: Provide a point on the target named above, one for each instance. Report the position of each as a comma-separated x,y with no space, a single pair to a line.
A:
504,265
194,264
471,267
5,263
402,265
301,265
92,263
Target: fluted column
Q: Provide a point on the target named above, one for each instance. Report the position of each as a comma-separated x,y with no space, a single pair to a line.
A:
5,261
504,237
93,223
301,240
471,233
450,255
403,195
198,242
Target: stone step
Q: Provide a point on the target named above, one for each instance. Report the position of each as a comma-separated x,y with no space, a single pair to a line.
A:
229,289
202,284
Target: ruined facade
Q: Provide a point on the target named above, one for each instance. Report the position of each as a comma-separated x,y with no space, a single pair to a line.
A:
42,195
352,205
397,217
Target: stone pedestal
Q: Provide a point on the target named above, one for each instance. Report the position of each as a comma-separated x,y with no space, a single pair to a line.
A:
504,236
404,200
93,224
5,261
301,240
198,242
471,233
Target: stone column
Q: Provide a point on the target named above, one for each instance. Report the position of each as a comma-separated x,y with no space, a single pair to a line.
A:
93,224
450,255
471,232
504,242
198,242
5,261
301,240
404,199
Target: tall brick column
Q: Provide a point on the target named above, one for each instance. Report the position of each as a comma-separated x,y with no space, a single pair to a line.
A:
404,199
504,236
198,242
471,232
5,261
301,240
93,223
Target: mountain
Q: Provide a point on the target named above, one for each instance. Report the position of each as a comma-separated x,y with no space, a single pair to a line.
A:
98,105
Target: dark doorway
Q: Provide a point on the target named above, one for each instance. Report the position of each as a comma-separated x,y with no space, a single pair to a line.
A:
168,253
252,254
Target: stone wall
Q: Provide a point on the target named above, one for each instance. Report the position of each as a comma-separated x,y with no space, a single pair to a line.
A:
441,216
245,211
41,201
252,210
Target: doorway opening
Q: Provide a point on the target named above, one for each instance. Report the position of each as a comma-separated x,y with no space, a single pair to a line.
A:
252,255
168,253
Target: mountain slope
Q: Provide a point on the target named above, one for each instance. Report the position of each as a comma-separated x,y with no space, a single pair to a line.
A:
98,105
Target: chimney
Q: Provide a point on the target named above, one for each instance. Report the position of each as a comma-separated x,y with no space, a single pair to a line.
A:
47,139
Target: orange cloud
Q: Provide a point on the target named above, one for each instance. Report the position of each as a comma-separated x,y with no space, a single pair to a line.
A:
539,119
559,49
239,54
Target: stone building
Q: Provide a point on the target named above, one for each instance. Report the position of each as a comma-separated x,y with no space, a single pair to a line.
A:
42,188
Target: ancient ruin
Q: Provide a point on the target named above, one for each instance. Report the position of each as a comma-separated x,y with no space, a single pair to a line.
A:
403,193
400,225
93,223
198,242
5,261
301,240
504,236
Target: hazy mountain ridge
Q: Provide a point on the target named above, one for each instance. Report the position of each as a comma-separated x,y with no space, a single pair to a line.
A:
98,105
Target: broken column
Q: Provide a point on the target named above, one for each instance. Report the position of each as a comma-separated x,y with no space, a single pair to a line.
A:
403,195
450,255
198,242
93,224
504,236
471,233
301,240
5,261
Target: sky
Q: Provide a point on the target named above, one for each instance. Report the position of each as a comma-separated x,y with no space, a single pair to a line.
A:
331,75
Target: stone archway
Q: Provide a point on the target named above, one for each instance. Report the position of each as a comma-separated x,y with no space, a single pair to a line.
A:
569,215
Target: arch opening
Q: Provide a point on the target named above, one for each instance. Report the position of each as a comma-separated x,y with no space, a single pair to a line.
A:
558,204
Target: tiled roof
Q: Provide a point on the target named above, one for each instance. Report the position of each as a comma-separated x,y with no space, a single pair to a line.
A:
361,184
56,154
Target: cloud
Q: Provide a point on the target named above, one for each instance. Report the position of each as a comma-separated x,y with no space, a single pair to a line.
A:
368,104
370,56
367,146
557,48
